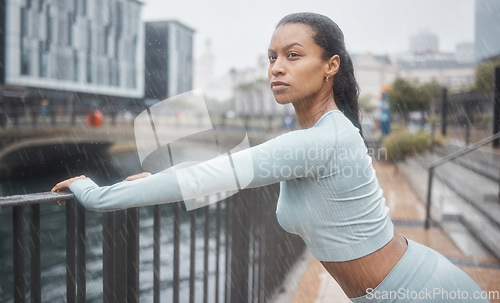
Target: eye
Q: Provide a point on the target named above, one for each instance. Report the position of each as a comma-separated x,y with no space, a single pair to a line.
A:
271,58
293,55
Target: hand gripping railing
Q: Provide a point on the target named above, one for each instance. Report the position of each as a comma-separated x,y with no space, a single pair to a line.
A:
445,159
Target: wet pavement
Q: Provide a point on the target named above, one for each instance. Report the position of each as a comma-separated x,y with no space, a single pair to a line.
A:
407,210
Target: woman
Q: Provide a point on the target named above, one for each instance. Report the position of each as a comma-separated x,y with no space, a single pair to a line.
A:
329,194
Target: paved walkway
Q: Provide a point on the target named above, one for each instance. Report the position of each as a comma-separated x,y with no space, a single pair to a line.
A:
408,213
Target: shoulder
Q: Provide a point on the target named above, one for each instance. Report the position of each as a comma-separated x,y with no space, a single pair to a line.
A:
301,138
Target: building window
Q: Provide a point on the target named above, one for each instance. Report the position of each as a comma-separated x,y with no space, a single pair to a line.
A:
117,75
89,37
48,21
25,68
110,71
24,22
107,31
70,28
42,59
75,9
76,66
88,59
89,68
134,60
25,65
84,7
119,19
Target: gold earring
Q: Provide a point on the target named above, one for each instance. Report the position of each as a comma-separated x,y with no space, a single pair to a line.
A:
327,77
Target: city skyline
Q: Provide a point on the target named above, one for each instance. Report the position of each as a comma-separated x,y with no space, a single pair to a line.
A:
241,31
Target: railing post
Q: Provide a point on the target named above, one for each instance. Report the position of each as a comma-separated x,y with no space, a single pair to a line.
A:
496,115
228,235
70,252
217,246
132,255
255,248
121,256
467,133
192,257
81,275
205,252
240,245
19,275
35,274
108,261
177,236
429,194
444,111
262,250
156,253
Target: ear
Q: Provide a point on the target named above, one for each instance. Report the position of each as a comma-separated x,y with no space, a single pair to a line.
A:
333,66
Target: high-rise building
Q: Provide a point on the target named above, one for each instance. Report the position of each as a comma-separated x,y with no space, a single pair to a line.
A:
169,59
424,42
464,52
487,29
373,72
62,52
425,63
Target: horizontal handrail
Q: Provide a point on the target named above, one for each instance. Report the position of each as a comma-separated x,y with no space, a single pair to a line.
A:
463,151
445,159
36,198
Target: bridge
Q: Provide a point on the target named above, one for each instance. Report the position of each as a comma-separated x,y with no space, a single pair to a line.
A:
29,149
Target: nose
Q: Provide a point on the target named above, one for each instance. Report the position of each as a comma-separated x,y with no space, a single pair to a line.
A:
277,67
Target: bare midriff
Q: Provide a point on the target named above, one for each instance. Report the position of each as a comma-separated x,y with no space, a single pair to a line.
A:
356,276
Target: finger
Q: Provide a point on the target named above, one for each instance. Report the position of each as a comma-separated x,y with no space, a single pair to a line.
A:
58,187
135,177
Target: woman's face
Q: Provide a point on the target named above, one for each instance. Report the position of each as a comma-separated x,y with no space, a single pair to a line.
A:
297,68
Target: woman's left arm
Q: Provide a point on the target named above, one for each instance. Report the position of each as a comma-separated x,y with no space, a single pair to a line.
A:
141,191
292,155
65,185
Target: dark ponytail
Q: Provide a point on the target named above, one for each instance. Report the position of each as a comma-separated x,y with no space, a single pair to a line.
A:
330,38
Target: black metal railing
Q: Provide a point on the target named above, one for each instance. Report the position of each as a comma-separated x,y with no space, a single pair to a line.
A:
258,253
75,245
445,159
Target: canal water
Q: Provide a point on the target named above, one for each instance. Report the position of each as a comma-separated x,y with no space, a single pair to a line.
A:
104,170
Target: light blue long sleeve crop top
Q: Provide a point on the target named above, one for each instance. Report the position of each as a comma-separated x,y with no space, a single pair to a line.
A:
329,193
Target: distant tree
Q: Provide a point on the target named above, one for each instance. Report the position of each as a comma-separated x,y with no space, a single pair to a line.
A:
405,98
433,90
485,74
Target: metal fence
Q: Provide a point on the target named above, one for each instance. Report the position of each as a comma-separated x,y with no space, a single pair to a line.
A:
467,116
258,253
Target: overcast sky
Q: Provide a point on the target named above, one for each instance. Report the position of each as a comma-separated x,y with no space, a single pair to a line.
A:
240,30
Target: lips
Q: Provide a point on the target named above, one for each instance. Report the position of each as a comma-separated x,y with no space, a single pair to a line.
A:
279,85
